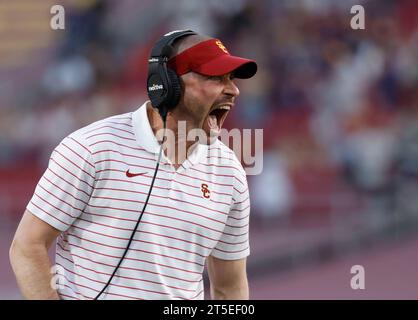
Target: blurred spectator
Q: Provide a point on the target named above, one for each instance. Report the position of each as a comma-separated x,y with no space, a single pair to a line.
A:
84,25
272,191
74,74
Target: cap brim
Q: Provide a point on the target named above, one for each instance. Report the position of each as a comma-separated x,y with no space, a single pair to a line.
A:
241,68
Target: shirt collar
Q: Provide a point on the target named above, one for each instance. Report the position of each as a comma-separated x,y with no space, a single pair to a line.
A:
143,131
145,137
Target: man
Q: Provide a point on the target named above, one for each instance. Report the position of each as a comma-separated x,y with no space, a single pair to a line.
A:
97,182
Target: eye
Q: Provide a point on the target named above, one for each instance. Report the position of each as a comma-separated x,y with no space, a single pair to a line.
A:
215,78
222,78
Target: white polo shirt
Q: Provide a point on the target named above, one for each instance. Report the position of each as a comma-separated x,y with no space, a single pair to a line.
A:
94,189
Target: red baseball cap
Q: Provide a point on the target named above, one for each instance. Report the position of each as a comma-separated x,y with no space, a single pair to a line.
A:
211,58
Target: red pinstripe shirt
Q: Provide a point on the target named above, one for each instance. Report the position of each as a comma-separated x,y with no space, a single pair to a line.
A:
86,193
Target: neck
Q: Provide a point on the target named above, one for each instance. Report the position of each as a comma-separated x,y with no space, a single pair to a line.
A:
176,145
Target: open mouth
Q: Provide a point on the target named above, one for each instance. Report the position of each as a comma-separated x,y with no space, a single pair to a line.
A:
217,117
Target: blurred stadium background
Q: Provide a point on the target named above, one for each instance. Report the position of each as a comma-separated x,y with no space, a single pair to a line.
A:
339,109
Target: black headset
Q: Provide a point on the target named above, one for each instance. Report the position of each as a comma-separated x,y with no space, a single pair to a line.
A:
164,91
163,84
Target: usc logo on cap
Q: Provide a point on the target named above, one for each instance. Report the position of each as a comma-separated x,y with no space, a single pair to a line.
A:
221,46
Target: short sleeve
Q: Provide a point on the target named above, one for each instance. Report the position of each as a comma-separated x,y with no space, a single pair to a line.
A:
234,242
65,188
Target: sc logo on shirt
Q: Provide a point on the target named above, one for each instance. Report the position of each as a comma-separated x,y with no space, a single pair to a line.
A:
205,190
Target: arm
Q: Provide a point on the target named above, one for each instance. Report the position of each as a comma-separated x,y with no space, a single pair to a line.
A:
29,257
228,279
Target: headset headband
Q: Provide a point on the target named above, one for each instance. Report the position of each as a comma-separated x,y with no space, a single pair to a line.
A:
163,47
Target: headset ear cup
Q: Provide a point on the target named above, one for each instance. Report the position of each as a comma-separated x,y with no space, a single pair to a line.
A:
175,87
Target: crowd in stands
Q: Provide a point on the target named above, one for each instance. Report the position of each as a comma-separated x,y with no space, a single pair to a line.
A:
339,107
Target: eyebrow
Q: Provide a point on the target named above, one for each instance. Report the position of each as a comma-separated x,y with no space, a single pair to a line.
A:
228,75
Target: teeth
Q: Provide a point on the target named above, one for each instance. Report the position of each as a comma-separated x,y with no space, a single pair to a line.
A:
224,107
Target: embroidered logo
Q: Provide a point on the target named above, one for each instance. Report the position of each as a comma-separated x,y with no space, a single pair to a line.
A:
205,190
131,175
221,46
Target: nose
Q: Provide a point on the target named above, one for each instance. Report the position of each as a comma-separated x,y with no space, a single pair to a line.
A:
231,88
